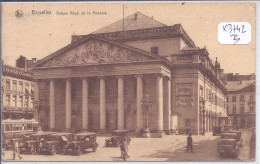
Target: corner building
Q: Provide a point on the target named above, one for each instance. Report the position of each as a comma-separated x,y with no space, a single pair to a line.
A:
97,82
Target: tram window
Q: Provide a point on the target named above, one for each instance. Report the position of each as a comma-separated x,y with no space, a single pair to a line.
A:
16,127
29,126
8,127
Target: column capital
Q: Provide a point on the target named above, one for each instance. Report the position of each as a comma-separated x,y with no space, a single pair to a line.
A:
139,75
168,78
101,77
120,76
158,75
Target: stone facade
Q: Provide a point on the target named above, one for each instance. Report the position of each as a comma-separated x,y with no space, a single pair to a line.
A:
97,82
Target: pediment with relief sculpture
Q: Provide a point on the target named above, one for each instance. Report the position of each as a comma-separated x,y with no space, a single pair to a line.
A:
94,51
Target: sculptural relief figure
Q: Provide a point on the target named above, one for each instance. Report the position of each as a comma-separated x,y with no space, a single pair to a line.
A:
95,51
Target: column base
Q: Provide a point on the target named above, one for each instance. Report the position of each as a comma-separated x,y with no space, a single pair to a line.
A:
158,134
167,132
146,134
68,130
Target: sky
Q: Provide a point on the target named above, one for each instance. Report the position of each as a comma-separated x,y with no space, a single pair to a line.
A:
38,35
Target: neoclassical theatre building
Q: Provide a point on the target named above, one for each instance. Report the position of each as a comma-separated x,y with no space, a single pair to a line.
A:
98,81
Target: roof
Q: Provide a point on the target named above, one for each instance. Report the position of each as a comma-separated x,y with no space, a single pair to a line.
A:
43,133
238,85
85,134
131,22
229,134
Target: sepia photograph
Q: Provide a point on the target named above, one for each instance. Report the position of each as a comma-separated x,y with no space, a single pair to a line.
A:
139,81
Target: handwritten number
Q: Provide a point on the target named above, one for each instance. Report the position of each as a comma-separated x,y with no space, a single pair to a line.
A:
243,26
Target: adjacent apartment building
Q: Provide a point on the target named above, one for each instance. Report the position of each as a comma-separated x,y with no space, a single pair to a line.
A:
241,103
17,93
98,81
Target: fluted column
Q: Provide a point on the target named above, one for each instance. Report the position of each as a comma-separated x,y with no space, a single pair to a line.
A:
168,106
52,104
139,97
84,104
102,104
68,104
120,102
159,87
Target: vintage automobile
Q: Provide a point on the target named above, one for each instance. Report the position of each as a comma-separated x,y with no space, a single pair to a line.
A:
21,137
228,147
233,135
216,130
116,138
83,141
57,143
35,142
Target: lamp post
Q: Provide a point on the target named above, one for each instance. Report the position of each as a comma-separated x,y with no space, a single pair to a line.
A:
202,108
146,105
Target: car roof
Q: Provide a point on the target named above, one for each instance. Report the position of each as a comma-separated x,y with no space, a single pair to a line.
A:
228,134
43,133
228,139
84,134
61,134
124,130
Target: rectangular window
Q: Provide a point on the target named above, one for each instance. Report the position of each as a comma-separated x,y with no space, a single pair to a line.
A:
154,50
251,97
242,98
20,101
242,109
31,101
14,85
8,100
251,108
7,85
227,109
227,98
234,98
21,87
201,91
14,101
216,100
27,88
234,109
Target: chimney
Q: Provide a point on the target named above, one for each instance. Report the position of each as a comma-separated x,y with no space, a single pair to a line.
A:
135,16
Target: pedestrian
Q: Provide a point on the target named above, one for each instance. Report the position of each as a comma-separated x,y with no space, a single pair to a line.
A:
16,150
189,143
124,147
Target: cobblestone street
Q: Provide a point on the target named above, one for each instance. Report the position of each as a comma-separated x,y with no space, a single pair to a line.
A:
168,148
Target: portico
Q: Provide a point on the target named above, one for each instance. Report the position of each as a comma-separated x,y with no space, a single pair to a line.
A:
104,96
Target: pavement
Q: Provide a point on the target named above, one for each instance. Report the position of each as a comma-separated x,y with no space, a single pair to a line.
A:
168,148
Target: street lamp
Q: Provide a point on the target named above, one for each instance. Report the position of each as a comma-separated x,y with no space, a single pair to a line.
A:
202,108
146,105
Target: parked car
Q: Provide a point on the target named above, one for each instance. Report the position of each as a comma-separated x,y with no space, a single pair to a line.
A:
6,139
216,130
228,147
83,141
233,135
116,138
35,142
57,143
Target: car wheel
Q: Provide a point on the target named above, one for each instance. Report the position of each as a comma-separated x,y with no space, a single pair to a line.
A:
33,150
106,144
94,148
65,152
79,151
53,150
